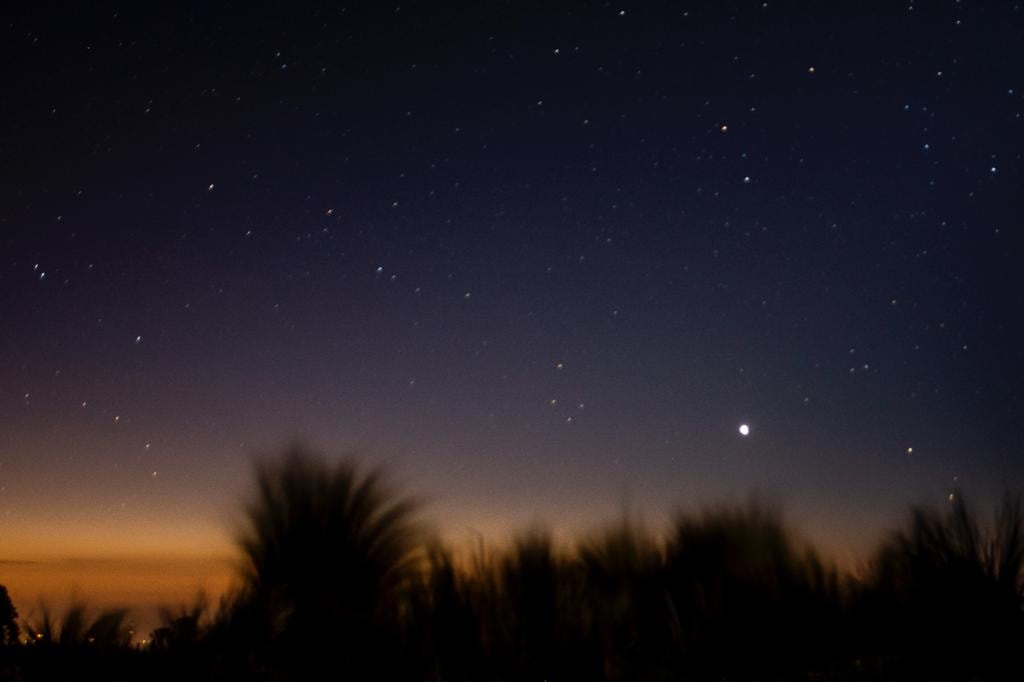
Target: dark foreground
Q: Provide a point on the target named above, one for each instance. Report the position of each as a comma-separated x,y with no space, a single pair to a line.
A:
341,582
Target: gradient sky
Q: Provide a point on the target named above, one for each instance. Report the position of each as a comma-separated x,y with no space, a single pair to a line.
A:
543,260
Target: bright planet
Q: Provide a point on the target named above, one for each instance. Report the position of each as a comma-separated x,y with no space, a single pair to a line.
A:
744,430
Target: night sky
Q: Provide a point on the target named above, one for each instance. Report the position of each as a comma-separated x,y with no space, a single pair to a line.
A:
543,261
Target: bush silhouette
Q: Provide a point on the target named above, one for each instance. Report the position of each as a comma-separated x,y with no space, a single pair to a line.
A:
453,617
182,629
627,615
327,552
947,589
538,604
742,594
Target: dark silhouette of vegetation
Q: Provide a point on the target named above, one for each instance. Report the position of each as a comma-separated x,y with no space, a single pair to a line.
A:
78,644
327,552
9,630
182,629
106,630
338,579
949,591
736,581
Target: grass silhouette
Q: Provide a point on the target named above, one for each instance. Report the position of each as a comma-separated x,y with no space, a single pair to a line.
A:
337,578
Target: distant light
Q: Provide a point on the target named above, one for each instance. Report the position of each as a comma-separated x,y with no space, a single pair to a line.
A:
744,430
910,451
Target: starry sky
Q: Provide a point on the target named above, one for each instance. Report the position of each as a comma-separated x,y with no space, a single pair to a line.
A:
542,260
